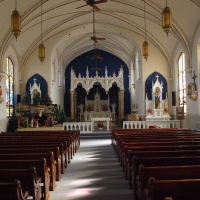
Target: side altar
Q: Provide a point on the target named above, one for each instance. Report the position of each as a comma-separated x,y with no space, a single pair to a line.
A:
157,108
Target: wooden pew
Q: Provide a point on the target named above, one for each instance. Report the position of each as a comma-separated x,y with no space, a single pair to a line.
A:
164,173
40,145
187,189
159,161
35,156
55,150
41,168
28,178
158,153
12,190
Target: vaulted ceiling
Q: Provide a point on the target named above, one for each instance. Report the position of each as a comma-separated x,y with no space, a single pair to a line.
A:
68,30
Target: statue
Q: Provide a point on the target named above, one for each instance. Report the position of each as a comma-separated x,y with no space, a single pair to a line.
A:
157,98
113,105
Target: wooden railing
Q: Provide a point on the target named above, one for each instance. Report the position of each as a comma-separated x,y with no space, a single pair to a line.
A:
82,126
146,124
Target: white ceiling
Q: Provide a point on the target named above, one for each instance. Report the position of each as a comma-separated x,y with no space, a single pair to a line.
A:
121,22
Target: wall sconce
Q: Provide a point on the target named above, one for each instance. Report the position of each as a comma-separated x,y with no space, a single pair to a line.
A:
1,76
20,82
133,86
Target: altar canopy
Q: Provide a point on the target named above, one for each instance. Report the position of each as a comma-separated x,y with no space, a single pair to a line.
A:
97,107
157,108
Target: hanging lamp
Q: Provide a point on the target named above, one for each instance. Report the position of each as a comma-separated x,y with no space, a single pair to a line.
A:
16,22
145,45
166,19
41,48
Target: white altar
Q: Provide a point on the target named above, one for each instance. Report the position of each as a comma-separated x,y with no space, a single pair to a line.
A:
157,108
101,119
97,108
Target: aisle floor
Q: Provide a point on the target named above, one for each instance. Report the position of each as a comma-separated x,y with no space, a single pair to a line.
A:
93,174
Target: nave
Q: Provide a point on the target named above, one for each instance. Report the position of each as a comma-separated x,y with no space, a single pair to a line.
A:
94,173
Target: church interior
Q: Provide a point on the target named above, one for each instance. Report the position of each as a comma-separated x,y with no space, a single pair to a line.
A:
110,65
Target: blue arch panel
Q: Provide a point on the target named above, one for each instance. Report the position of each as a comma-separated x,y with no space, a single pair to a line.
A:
148,84
39,80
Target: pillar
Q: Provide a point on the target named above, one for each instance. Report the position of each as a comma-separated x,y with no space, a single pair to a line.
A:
72,104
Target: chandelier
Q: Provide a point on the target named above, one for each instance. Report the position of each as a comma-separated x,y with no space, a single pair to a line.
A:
145,45
16,22
166,19
41,48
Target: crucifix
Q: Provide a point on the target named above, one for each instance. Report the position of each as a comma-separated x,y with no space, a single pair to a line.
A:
194,77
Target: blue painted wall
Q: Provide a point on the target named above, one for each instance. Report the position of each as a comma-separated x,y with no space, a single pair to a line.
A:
40,80
113,64
148,84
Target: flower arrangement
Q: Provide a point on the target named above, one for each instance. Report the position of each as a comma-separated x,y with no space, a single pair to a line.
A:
165,110
100,124
149,110
89,107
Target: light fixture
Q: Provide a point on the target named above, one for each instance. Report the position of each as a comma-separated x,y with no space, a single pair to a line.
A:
41,48
166,19
145,46
16,22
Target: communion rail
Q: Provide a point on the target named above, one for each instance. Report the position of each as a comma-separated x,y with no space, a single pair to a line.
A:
82,126
146,124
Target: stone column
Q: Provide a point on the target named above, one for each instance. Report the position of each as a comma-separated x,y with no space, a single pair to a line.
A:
119,106
122,103
72,104
75,106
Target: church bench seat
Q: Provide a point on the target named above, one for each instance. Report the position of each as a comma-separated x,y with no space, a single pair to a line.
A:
21,150
35,156
158,161
164,173
187,189
28,178
12,190
72,137
40,145
43,141
41,168
158,153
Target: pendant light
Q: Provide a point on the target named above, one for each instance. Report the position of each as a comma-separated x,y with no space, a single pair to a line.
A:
41,48
166,19
16,22
145,45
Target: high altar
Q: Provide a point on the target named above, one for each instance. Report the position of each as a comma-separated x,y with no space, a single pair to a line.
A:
157,108
97,108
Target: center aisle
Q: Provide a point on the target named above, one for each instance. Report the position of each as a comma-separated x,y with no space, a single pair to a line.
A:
94,173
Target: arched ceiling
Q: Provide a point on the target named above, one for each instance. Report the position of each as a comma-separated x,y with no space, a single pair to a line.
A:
121,22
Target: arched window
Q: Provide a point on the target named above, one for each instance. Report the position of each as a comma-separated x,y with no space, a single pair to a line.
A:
182,81
9,87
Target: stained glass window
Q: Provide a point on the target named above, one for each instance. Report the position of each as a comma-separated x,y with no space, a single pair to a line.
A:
182,81
9,87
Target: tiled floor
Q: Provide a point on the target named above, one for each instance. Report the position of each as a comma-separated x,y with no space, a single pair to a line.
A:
94,174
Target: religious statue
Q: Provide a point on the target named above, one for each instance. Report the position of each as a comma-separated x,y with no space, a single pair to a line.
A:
81,106
113,105
157,98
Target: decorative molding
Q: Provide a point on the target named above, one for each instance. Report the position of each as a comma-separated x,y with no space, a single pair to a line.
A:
106,82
